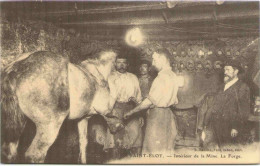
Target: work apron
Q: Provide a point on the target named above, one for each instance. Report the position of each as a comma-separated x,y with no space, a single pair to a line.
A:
160,132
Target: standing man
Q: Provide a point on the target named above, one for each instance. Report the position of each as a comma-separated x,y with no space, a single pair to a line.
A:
223,116
145,79
124,87
161,127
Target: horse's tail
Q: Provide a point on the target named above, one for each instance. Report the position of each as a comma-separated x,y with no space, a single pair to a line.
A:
12,118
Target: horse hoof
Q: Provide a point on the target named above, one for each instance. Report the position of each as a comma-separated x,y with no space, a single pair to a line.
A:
80,160
33,158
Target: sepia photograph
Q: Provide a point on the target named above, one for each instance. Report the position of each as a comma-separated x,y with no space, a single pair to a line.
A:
130,82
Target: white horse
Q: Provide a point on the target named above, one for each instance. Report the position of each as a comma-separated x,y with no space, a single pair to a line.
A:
46,88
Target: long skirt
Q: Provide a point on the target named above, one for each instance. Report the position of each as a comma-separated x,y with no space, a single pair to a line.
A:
160,132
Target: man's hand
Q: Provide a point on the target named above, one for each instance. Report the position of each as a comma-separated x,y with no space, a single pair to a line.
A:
234,133
127,115
133,99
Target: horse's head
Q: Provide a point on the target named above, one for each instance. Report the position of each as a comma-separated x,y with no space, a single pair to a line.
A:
103,62
106,62
97,69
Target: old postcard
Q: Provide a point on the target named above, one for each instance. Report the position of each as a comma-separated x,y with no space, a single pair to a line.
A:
130,82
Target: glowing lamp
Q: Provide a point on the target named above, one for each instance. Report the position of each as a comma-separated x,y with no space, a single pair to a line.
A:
220,2
134,37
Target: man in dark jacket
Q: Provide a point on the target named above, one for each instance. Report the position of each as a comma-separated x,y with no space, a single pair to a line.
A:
223,115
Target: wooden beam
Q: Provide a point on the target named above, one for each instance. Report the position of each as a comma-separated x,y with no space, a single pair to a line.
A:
245,23
176,19
118,9
170,37
202,36
171,29
103,11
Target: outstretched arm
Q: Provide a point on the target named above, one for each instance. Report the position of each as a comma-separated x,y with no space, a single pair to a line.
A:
154,95
142,106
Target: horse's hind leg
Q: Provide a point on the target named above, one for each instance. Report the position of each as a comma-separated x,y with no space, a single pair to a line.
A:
46,133
83,139
10,144
9,152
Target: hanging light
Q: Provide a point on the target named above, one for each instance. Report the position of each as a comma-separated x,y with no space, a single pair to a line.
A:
171,4
220,2
134,37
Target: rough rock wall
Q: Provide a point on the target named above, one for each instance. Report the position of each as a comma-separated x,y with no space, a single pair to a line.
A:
25,36
22,37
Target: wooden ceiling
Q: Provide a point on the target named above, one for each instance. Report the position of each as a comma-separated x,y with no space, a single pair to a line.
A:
162,20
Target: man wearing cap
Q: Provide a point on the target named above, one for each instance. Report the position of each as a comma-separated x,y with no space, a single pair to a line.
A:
145,80
161,131
125,93
223,115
